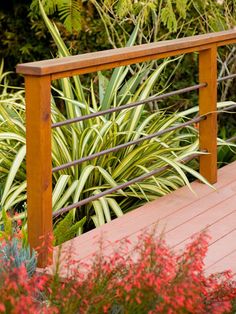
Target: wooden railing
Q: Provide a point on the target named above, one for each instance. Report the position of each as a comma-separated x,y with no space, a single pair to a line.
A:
38,77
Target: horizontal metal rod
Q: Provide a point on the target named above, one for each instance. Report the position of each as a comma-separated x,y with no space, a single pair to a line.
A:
224,110
119,187
228,77
138,103
131,105
113,149
232,139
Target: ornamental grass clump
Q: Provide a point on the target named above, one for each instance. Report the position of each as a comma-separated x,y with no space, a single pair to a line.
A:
145,278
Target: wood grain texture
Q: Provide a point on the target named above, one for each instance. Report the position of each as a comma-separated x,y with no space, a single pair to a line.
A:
207,104
39,165
122,56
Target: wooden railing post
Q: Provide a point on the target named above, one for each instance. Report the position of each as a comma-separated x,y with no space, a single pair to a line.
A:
39,166
207,103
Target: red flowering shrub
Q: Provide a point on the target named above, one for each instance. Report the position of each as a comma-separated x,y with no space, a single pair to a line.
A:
150,279
21,294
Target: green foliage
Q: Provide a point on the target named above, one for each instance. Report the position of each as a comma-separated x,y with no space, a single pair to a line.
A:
66,229
7,226
123,85
163,19
71,16
12,168
123,7
69,11
50,6
181,6
19,41
168,17
96,25
227,151
24,36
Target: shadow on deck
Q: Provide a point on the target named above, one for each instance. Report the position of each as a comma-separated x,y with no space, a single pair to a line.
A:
179,215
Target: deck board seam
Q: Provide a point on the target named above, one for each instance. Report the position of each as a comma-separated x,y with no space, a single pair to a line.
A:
208,226
219,260
223,236
203,212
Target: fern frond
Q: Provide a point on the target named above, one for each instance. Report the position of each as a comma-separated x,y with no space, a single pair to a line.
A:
181,6
50,6
123,7
70,13
168,17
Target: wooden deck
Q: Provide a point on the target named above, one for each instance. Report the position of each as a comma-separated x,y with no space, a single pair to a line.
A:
180,215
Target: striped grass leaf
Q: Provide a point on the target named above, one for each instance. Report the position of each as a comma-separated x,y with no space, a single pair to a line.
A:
12,173
63,201
16,196
59,188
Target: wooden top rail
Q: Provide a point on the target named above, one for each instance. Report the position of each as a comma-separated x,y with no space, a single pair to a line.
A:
102,60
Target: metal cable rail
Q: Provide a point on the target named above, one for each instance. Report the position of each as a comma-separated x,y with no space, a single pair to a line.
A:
121,186
227,109
224,78
140,140
131,105
113,149
232,139
138,103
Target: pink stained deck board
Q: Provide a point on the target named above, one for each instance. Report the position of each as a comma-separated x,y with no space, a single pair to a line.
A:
224,263
180,214
221,248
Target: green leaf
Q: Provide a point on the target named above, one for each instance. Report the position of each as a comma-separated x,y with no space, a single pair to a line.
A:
65,230
10,201
70,13
168,17
115,207
99,212
66,195
109,179
59,188
7,223
13,171
82,181
117,75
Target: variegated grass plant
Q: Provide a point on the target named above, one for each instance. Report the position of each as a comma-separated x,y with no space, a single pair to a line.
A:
81,139
90,136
